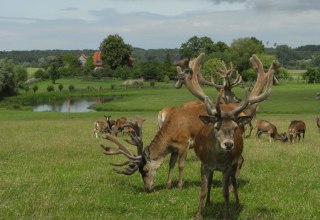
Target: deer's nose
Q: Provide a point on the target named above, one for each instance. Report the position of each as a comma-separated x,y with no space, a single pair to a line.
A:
229,145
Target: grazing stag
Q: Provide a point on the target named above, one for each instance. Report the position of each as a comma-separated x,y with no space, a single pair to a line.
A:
219,143
264,126
174,137
296,128
118,126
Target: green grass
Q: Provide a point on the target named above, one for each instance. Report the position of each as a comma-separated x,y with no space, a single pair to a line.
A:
51,166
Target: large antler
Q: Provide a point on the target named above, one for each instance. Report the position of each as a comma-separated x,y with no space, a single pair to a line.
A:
226,74
136,139
260,92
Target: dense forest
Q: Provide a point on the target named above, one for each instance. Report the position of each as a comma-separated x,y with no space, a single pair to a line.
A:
32,56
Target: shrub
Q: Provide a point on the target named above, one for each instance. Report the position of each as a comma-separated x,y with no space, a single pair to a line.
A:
50,88
60,87
35,88
71,88
152,84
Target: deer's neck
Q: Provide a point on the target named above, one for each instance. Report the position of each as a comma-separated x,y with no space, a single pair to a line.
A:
158,146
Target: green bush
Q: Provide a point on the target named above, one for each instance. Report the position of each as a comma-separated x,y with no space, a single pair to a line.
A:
50,88
71,88
60,87
35,88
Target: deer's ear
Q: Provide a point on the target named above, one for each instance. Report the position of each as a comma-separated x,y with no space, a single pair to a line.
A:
207,119
242,120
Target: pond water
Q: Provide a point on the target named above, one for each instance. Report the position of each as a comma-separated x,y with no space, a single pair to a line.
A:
76,105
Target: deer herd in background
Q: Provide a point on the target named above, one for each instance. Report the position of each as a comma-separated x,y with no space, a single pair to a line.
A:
215,130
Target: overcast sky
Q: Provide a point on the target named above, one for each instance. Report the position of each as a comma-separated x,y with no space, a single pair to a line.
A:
153,24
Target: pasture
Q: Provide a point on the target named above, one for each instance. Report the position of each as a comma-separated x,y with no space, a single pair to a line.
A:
51,166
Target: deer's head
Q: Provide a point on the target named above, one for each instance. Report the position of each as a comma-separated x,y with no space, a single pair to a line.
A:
140,162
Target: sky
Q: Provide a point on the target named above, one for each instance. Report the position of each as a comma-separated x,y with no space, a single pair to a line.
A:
155,24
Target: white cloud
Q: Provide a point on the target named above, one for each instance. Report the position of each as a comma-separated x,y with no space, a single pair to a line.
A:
73,26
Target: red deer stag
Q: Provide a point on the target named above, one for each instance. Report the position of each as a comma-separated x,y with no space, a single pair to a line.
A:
219,143
264,126
296,128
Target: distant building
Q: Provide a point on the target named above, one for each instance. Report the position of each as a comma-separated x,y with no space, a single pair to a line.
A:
97,61
83,59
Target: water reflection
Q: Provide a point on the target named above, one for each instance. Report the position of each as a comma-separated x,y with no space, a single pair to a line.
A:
77,105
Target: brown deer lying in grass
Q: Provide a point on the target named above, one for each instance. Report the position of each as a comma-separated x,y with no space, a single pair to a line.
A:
219,143
296,128
264,126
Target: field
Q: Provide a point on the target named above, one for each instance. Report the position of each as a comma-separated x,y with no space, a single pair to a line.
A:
51,166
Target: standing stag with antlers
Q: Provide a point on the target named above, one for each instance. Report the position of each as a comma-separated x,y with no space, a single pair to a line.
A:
219,143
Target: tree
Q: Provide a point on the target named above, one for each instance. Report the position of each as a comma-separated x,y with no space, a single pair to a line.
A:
8,78
285,54
114,52
244,48
195,45
312,75
211,68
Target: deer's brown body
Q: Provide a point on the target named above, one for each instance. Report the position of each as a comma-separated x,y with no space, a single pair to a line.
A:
100,127
296,128
219,144
318,122
118,125
264,126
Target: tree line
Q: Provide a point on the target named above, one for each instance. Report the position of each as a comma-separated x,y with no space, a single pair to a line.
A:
121,60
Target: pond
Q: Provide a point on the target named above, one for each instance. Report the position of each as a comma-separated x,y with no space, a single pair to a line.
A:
76,105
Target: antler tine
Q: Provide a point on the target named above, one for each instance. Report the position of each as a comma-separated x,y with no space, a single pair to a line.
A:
128,171
236,111
115,151
237,81
113,138
189,77
261,75
217,111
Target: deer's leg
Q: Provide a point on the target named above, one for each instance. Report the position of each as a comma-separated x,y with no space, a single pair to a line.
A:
251,128
205,174
182,162
234,181
208,199
173,160
225,184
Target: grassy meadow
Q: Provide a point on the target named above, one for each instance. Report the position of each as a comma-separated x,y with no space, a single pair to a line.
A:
51,166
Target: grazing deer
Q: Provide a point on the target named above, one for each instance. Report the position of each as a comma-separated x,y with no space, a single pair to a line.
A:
118,126
219,143
264,126
296,128
318,122
99,127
